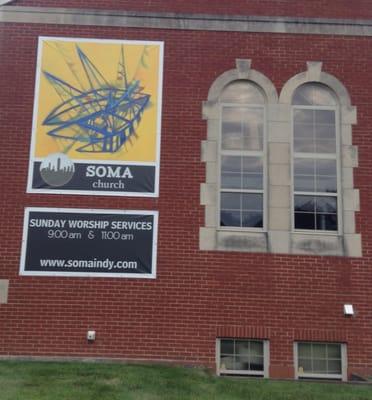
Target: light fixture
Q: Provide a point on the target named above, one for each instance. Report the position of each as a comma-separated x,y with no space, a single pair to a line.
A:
348,310
91,336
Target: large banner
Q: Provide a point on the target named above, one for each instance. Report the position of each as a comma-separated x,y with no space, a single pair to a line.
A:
76,242
97,116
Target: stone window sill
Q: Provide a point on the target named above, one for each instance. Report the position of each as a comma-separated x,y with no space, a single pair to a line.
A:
281,242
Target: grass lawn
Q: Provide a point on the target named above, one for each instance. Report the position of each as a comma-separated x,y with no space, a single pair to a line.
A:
83,381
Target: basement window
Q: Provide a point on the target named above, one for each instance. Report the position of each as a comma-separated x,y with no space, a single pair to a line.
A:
320,360
242,357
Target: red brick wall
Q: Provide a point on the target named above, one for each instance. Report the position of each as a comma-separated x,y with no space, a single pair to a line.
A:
197,295
306,8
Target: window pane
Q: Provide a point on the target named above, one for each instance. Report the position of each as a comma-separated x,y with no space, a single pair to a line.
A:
227,346
314,93
256,364
326,222
227,362
252,165
304,183
314,138
241,209
304,175
252,219
241,347
232,127
231,181
303,116
304,166
325,117
314,131
303,131
304,220
241,172
334,367
326,204
252,201
319,350
305,203
304,145
322,95
244,201
231,164
230,201
253,130
305,364
243,359
316,212
334,351
303,95
304,350
326,184
232,137
326,176
230,218
252,181
325,131
256,348
241,363
326,167
325,146
319,366
241,91
242,128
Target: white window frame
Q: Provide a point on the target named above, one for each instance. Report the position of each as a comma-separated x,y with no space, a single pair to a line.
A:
331,156
248,153
304,375
266,359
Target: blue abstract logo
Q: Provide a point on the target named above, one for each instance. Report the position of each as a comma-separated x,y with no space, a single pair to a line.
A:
103,117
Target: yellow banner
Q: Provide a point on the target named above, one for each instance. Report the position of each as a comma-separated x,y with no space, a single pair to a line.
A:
98,100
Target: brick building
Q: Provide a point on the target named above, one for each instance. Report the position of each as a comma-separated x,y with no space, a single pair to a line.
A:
262,246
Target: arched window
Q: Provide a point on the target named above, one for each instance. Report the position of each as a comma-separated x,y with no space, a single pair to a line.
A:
236,187
323,198
242,161
316,159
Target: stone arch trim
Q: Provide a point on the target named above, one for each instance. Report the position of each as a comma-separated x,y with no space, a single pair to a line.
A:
314,73
243,71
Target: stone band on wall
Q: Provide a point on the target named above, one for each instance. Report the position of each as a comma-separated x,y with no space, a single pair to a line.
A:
205,22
